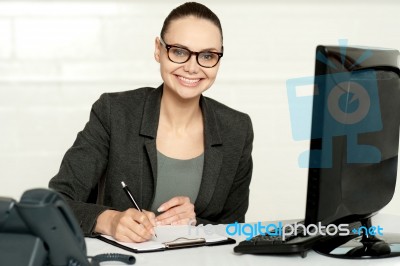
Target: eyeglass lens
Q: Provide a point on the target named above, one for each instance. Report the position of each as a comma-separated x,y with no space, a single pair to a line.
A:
181,55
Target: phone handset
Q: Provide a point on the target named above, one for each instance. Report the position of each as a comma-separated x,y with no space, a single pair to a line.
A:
6,206
48,216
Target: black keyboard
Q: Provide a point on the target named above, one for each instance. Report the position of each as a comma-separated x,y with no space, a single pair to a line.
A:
266,244
271,244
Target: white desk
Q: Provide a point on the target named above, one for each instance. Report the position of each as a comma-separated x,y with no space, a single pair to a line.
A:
224,255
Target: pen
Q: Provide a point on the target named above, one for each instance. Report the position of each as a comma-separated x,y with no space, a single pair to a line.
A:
130,196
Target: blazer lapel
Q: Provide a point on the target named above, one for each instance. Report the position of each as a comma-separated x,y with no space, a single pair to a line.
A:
149,126
212,157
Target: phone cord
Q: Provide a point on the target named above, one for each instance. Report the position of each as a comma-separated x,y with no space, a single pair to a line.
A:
127,259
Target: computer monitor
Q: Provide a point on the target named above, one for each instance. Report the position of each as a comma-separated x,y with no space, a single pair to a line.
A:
354,146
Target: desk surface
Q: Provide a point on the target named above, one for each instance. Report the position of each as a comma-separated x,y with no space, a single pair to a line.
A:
224,255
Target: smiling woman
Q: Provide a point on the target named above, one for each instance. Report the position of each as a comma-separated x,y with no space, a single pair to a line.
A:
186,157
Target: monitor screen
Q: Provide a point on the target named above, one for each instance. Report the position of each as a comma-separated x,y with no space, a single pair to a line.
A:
354,148
354,134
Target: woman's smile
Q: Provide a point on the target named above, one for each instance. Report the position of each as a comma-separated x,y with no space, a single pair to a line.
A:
188,82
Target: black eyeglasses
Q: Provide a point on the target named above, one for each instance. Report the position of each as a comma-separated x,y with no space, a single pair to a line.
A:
181,55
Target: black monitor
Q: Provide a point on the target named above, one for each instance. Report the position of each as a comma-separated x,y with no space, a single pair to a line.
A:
354,146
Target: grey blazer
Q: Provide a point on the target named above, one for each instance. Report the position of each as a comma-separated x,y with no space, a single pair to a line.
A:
119,144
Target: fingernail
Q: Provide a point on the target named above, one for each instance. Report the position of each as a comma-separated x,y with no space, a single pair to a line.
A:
161,209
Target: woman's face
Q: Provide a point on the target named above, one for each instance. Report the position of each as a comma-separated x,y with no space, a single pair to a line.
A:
188,80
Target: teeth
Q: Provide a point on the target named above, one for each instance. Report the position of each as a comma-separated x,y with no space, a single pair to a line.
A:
188,80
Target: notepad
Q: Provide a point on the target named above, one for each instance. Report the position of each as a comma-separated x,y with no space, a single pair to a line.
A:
173,237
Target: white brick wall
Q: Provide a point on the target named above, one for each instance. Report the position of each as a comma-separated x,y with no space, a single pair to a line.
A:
57,57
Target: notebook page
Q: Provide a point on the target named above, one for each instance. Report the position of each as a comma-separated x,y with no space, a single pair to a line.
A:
168,233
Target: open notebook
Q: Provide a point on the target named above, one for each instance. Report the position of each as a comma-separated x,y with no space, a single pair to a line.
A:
172,237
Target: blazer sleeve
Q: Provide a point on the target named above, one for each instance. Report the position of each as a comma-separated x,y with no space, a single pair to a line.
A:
237,202
84,164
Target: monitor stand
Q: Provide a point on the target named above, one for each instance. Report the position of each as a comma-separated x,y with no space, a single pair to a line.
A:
355,246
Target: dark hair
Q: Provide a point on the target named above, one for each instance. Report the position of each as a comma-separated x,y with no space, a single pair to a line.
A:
191,9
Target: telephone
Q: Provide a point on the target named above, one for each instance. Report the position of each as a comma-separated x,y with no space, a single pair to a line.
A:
42,230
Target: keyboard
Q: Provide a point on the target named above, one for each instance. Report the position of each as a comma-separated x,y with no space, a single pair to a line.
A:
267,244
274,244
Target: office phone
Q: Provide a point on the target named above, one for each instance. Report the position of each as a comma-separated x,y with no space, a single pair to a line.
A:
42,230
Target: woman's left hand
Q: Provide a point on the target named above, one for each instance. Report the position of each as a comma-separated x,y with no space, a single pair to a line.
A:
178,210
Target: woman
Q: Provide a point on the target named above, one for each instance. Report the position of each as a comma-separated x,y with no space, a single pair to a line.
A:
185,157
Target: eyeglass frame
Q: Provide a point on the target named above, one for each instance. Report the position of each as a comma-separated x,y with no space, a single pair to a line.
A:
168,47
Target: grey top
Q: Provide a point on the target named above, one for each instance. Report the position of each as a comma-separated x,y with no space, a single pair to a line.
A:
177,178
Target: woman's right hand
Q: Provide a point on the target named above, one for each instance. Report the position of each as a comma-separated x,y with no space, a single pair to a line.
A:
128,226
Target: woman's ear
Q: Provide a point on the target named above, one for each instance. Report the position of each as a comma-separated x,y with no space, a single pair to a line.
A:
157,49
